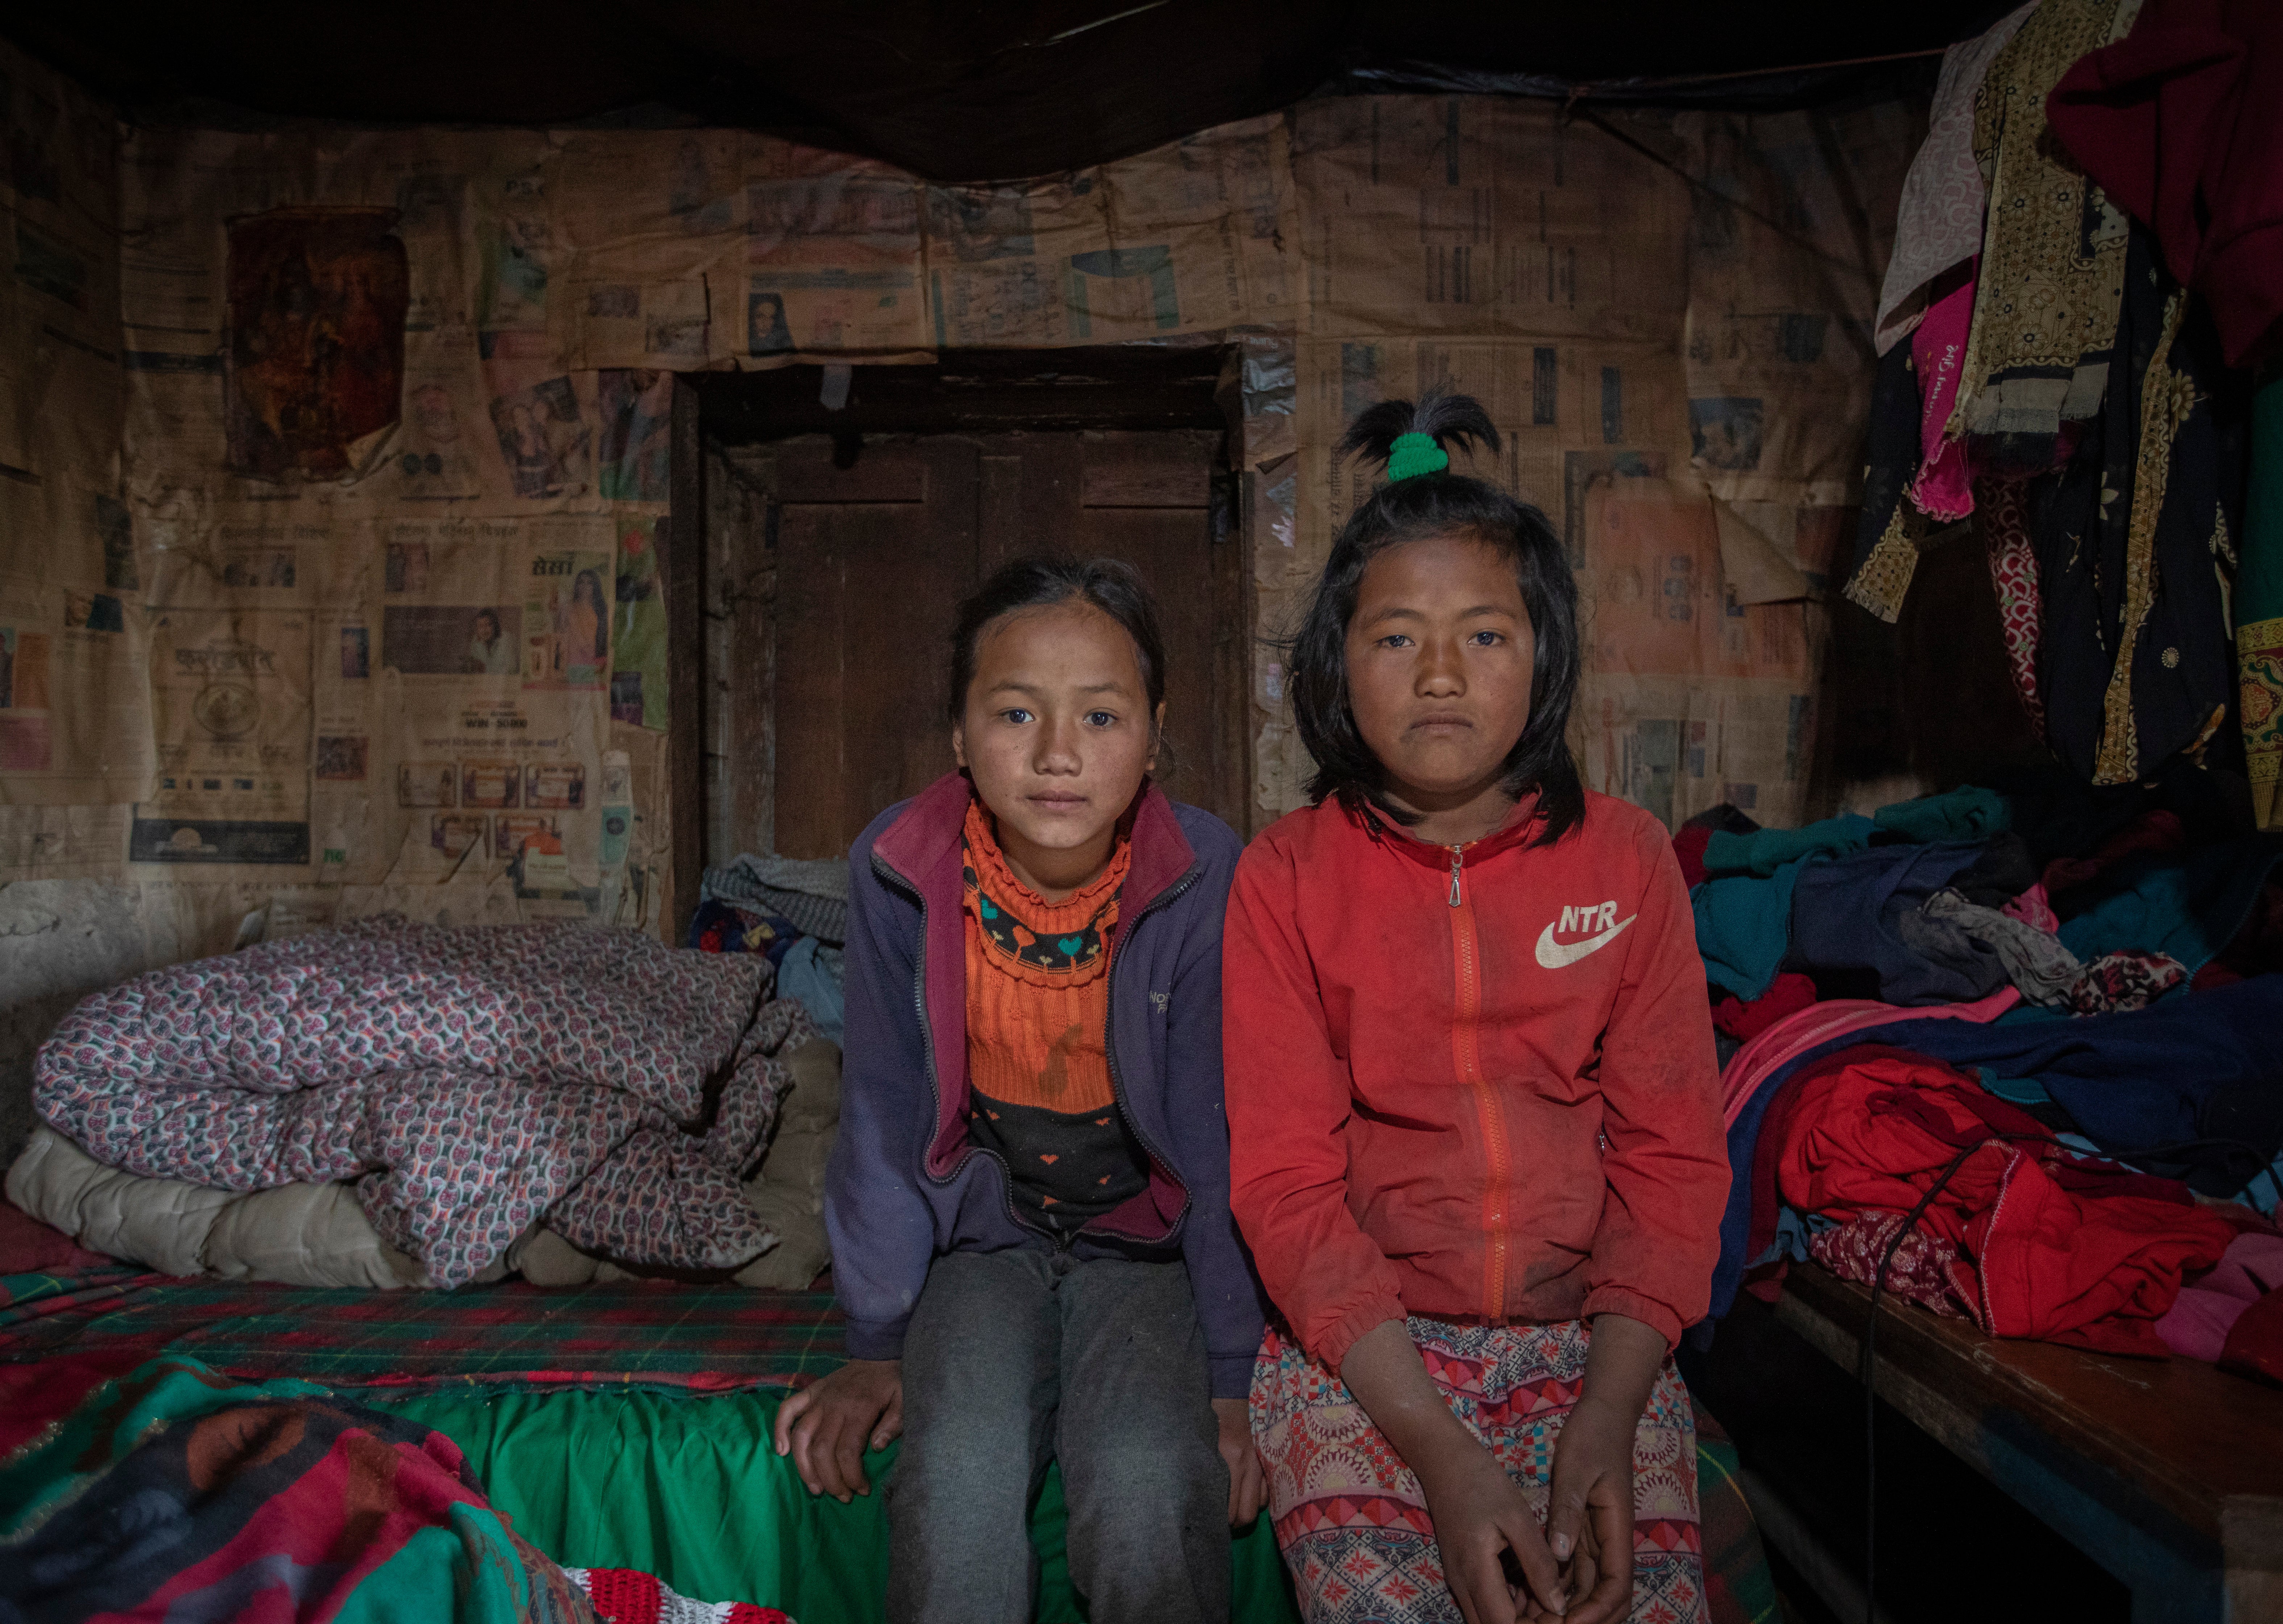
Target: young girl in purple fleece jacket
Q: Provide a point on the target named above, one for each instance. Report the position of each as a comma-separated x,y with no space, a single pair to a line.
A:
1028,1200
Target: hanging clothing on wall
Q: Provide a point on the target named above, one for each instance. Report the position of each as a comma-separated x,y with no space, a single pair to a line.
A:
2134,541
2177,123
1939,222
2259,610
1891,527
1943,488
2014,580
1990,394
2052,260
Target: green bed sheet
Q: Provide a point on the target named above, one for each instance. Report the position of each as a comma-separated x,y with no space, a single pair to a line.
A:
689,1489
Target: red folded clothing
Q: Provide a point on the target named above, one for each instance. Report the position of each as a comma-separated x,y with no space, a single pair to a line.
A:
1786,995
2054,1247
1688,846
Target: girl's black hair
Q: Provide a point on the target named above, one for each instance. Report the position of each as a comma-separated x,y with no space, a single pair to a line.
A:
1109,584
1431,504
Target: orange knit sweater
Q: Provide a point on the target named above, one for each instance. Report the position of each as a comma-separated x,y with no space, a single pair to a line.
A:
1038,1012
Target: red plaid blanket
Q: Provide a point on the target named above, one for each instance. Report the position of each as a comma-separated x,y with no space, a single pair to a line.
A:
61,1334
627,1332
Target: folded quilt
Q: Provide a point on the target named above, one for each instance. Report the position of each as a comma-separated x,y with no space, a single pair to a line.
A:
470,1080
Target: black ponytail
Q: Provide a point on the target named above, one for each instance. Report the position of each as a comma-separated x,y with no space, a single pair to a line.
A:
1446,420
1414,509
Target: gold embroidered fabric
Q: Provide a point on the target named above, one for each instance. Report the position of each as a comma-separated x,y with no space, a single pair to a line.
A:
1883,578
2259,663
2166,399
2052,258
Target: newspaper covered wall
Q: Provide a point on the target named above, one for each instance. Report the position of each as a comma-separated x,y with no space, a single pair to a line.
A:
334,465
707,249
359,601
399,598
1667,318
71,668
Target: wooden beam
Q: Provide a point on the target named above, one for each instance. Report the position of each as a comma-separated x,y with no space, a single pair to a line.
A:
1106,387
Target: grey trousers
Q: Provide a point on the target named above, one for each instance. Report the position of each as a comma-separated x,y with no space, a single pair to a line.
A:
1013,1358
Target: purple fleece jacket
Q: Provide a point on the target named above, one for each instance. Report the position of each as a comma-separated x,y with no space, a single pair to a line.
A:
905,1186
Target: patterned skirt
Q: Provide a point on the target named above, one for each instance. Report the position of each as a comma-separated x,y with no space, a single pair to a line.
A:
1348,1514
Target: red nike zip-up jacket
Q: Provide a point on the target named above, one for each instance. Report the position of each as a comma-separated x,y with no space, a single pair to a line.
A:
1474,1084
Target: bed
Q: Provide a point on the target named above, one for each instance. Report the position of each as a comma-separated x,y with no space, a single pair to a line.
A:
617,1424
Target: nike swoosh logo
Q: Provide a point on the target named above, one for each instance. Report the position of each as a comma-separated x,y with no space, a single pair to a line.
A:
1553,955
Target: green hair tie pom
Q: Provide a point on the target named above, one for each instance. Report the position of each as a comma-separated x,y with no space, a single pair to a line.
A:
1413,455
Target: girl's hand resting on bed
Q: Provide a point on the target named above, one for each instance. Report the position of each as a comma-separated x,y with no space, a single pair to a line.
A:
1248,1488
827,1426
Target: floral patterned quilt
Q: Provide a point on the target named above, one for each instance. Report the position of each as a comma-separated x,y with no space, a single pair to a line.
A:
472,1080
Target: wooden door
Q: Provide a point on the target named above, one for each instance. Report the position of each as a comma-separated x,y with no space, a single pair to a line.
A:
872,561
1148,499
873,558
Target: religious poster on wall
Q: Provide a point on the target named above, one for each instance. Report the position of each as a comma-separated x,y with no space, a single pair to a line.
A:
315,366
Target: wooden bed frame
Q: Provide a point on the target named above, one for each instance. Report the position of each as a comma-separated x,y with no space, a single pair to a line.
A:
2168,1474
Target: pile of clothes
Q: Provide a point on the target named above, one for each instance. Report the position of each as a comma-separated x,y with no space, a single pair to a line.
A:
793,909
2087,280
2012,1051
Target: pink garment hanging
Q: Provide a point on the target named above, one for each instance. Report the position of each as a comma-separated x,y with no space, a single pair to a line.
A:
1943,488
1818,1023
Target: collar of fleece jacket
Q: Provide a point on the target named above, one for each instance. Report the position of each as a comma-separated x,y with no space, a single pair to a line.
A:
918,844
922,850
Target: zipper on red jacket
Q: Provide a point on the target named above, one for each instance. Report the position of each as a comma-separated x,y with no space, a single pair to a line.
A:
1466,1054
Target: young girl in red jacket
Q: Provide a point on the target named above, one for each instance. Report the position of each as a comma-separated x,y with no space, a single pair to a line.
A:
1474,1130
